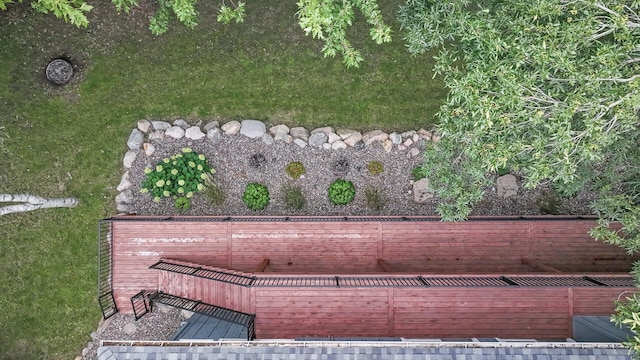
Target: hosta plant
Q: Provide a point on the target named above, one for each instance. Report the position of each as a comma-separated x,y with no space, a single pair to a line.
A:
256,196
181,175
341,192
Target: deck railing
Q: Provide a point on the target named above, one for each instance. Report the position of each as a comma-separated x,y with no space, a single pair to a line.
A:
105,267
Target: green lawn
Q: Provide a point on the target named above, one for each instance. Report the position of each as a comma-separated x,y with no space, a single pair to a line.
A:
70,141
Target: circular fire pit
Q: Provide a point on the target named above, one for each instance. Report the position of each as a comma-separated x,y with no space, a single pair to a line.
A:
59,71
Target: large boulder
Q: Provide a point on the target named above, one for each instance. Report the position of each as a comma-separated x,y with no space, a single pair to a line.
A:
326,130
279,131
136,138
252,128
422,193
183,124
194,133
160,125
374,136
317,139
214,135
144,126
129,158
231,128
211,125
175,132
299,133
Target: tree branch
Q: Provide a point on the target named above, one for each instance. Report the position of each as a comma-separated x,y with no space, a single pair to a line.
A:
32,202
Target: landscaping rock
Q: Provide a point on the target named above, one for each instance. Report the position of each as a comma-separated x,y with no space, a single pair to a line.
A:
353,138
422,193
285,137
175,132
130,328
402,147
435,138
359,145
387,145
339,145
333,137
231,128
299,133
279,131
125,183
414,151
149,149
317,139
425,134
144,126
194,133
160,125
372,136
129,158
300,142
507,186
214,135
345,133
267,139
183,124
408,142
156,136
252,128
407,134
125,197
135,139
396,139
416,137
325,130
123,208
326,146
211,125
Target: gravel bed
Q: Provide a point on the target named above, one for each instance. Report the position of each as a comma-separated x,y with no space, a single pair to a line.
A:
231,160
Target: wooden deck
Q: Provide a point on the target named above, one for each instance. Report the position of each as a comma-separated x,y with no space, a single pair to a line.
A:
405,247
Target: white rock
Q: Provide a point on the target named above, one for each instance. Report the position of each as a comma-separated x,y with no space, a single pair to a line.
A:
396,139
299,133
416,137
135,139
183,124
300,142
125,197
345,133
129,158
325,130
125,183
214,135
144,126
160,125
372,136
149,149
339,145
422,193
387,145
211,125
252,128
231,128
194,133
123,208
507,186
326,146
414,151
175,132
333,137
353,138
408,142
267,139
156,136
279,131
317,139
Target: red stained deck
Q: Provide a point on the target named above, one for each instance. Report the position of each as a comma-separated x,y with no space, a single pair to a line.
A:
410,247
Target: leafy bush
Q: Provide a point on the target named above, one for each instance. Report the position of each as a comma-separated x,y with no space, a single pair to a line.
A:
256,196
417,173
182,203
181,175
341,192
375,167
375,201
293,197
213,191
295,169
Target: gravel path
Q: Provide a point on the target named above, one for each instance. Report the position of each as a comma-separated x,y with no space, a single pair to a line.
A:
231,160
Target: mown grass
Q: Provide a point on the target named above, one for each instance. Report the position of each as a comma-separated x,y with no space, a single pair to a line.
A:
70,141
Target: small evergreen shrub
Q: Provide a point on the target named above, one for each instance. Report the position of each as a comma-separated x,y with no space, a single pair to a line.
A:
214,191
375,167
182,174
182,203
340,166
295,169
417,173
341,192
375,201
256,196
257,160
293,197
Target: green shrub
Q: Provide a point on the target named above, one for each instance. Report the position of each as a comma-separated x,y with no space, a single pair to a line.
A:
375,201
417,173
341,192
182,203
213,191
295,169
181,175
375,167
293,197
256,196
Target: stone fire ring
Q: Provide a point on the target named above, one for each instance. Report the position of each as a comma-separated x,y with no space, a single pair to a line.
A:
59,71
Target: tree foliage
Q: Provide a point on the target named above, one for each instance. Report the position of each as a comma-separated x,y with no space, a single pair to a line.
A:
72,11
